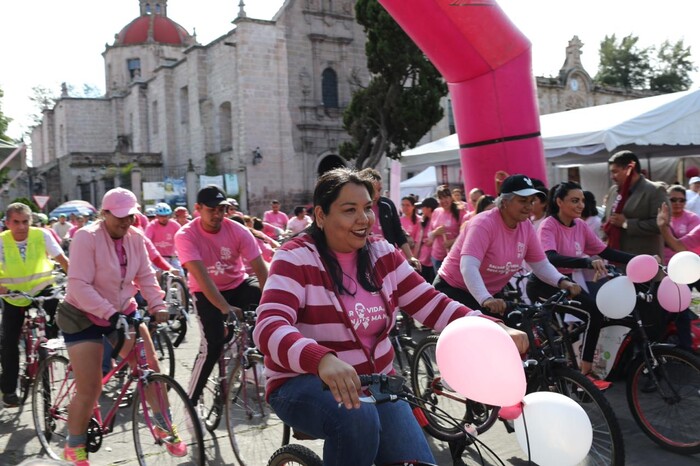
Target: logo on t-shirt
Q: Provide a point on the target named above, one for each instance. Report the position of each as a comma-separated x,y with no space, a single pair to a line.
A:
521,250
225,253
362,316
578,249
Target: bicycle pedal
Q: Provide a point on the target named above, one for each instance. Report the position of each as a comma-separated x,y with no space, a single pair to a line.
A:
127,399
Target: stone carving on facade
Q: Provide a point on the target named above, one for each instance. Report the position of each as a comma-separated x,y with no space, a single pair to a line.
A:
305,83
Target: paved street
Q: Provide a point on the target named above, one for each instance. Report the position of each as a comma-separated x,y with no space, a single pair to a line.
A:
18,440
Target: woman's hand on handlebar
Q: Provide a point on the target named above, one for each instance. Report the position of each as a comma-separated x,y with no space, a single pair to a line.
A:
519,338
599,266
495,305
573,288
342,380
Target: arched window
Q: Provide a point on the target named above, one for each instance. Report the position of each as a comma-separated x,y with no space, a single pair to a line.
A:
329,88
225,129
157,8
329,163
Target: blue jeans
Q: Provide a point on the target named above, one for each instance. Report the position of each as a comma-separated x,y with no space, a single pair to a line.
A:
373,434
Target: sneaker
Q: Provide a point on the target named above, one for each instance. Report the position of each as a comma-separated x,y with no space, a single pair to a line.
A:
600,384
173,444
11,400
78,455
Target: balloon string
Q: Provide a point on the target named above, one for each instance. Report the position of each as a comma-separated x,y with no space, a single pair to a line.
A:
527,439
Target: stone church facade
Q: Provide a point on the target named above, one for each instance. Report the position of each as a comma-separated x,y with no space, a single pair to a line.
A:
264,102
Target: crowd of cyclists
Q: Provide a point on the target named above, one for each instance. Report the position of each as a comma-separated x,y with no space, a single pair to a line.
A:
330,279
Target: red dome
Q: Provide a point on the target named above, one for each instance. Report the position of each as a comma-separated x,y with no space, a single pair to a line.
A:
164,30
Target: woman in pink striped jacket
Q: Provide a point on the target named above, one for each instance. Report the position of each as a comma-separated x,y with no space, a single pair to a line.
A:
325,314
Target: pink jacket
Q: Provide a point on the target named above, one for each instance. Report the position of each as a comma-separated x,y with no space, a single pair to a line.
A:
95,285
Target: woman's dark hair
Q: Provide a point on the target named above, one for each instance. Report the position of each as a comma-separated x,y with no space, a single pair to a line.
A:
326,192
483,202
444,191
590,209
559,191
412,200
431,203
258,223
299,209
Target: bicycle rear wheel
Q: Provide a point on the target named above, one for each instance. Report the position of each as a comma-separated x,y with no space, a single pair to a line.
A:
155,436
177,298
51,393
293,454
165,352
667,405
436,396
608,444
254,430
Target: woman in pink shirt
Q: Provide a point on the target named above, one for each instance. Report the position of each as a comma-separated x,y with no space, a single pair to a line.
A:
444,225
410,222
569,244
682,221
491,249
111,265
424,243
325,316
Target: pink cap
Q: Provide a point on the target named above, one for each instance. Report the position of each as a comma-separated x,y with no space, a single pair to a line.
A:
120,202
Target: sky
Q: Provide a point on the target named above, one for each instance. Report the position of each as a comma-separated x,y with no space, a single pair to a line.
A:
47,42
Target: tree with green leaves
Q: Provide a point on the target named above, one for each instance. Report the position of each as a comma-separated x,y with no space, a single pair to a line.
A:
673,68
402,100
623,64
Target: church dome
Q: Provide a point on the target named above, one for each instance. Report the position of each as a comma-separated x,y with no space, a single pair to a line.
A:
153,28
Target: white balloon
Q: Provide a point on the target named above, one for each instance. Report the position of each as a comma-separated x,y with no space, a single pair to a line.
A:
616,298
559,432
684,267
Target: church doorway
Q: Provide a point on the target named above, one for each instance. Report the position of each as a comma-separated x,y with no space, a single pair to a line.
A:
329,163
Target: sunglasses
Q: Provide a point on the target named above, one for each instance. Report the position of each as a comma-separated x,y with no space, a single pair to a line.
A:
677,199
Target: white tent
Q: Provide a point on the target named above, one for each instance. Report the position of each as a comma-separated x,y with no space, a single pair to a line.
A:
424,184
654,127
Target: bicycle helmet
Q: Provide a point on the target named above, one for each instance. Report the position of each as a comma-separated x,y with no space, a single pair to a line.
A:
44,218
163,208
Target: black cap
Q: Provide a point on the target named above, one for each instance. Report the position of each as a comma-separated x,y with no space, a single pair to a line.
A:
211,196
430,202
520,185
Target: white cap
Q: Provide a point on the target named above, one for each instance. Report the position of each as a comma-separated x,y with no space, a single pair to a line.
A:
693,180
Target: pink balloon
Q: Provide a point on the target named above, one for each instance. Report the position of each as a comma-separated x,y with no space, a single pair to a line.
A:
674,297
510,413
642,268
479,360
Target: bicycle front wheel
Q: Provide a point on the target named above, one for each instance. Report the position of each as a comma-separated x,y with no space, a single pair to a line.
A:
608,445
254,430
436,398
665,400
166,429
177,299
51,393
293,454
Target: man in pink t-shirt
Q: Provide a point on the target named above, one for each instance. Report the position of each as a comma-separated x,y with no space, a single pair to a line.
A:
276,218
211,247
162,233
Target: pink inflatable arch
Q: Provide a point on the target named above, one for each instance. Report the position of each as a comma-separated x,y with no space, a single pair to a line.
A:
486,62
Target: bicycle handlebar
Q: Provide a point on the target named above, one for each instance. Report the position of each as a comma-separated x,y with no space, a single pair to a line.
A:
122,328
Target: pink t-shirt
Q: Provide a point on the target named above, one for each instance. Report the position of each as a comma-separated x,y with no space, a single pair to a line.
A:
449,270
577,240
425,248
444,217
681,226
163,236
366,311
500,249
692,240
220,252
413,229
278,219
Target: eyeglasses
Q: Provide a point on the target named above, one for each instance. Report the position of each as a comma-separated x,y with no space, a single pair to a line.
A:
677,199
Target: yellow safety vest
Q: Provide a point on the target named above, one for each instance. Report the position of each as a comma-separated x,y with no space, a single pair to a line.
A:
30,275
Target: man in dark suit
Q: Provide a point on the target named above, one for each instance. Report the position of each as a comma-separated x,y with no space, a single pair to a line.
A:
636,222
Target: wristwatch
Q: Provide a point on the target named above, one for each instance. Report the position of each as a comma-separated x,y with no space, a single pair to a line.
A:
624,225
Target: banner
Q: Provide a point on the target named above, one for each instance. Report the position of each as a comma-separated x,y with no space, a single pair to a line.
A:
175,191
232,188
153,190
217,180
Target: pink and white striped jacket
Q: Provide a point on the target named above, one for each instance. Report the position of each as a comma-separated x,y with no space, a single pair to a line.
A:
301,319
